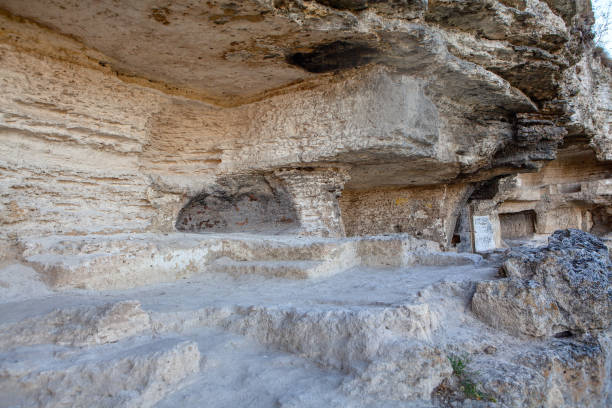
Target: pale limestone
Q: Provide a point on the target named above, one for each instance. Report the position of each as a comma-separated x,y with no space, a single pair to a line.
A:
292,124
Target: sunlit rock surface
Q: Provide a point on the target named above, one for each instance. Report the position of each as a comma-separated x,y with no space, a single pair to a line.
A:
290,203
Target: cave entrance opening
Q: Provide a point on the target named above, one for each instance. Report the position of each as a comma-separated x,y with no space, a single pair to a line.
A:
461,239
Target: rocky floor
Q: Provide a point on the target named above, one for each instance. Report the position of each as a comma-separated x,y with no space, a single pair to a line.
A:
364,336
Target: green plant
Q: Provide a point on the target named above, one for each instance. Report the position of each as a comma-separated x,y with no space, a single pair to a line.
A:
470,388
471,391
459,364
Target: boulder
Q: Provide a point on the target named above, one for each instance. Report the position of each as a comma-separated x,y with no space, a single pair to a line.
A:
563,287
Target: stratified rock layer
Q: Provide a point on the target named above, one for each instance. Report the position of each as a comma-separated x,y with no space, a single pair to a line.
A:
266,132
383,99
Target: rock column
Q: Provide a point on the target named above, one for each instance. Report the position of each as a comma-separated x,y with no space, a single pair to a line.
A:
315,193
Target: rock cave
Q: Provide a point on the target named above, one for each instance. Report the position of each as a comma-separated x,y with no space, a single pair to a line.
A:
305,203
246,204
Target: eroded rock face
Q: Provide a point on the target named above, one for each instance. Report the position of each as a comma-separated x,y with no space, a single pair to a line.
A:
121,122
557,373
564,287
96,325
399,94
575,370
133,376
572,191
425,212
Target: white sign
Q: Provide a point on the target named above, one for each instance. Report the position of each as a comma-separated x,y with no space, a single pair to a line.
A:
483,234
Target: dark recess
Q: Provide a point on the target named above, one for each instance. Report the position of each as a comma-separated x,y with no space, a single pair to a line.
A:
251,203
486,190
335,56
354,5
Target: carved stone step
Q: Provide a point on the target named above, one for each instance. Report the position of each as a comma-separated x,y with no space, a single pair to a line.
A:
120,374
276,269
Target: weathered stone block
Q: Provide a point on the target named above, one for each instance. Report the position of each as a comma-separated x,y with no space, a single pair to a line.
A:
563,287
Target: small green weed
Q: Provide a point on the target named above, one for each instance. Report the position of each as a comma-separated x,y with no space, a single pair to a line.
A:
459,364
470,389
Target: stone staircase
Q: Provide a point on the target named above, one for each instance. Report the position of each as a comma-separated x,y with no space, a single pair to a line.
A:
122,261
169,344
274,323
304,259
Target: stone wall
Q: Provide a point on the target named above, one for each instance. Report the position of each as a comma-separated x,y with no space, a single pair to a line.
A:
426,212
84,151
517,225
